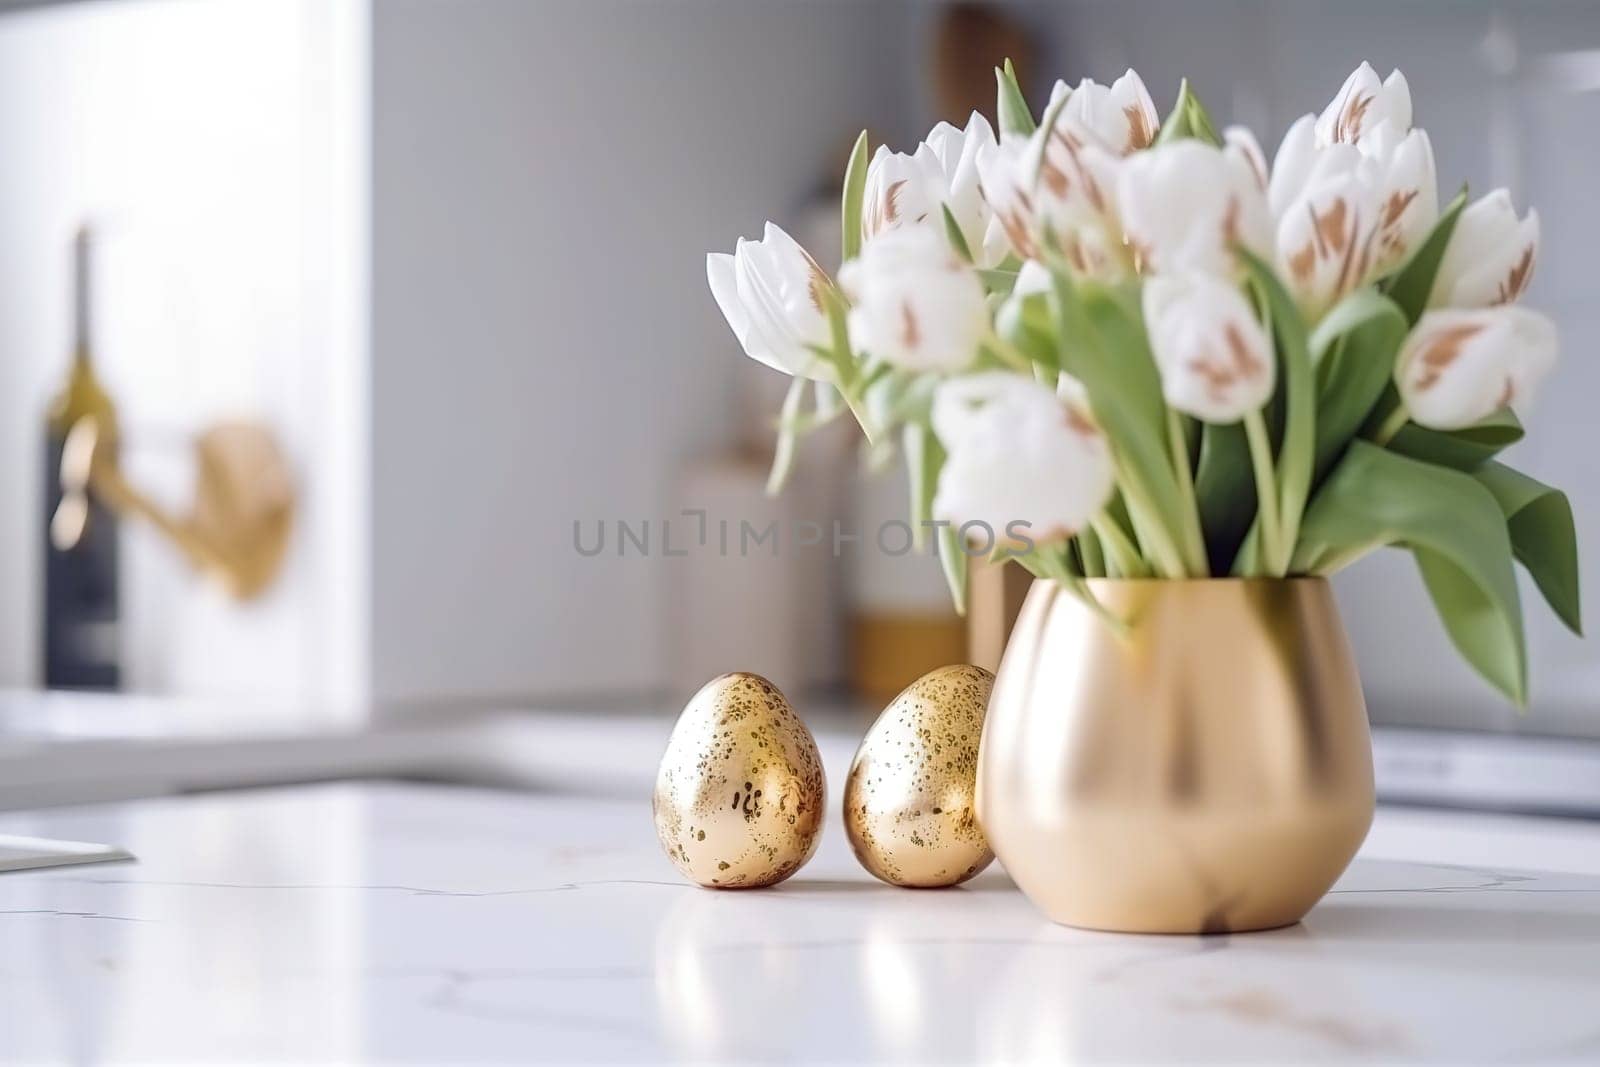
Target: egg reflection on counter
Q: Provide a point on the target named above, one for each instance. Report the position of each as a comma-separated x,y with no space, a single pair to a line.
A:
909,800
740,793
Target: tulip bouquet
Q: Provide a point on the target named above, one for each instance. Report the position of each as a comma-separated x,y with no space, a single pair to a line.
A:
1115,346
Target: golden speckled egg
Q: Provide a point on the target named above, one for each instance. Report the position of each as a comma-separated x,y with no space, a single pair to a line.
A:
740,793
909,800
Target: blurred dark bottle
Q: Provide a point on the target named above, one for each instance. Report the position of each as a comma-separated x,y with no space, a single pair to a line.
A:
82,639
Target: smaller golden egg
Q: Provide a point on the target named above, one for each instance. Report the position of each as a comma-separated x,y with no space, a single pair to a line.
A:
909,801
740,792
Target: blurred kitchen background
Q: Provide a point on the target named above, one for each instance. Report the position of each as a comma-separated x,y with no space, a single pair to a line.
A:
446,260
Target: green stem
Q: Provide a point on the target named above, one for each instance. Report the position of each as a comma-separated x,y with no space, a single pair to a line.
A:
1255,429
1080,589
1392,425
1009,354
1094,557
783,454
858,410
846,368
1155,539
1120,551
1338,562
1042,564
1247,564
1194,539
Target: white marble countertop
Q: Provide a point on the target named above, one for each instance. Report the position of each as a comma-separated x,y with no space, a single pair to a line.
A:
438,923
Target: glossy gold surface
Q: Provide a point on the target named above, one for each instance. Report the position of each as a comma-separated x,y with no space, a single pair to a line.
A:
239,526
908,803
740,793
1209,771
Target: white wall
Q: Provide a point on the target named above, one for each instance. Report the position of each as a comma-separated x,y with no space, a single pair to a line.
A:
547,179
533,187
218,145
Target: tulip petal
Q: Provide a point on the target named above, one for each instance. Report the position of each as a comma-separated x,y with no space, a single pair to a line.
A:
1187,206
720,275
770,291
1216,361
1397,93
1408,203
1291,167
1491,255
1020,461
1460,366
916,305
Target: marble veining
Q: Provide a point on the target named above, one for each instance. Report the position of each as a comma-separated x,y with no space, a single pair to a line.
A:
433,923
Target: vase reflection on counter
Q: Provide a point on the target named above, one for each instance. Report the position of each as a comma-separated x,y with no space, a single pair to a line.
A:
1210,770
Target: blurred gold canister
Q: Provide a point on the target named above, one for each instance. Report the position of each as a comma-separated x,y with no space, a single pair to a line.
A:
1210,770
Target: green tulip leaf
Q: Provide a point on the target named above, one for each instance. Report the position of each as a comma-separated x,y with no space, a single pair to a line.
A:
1477,623
1297,454
1051,114
1543,537
788,437
998,282
827,401
1091,554
952,231
1353,350
1031,330
924,459
1465,449
855,189
1188,118
1412,284
953,557
1455,529
1011,107
1226,491
1110,355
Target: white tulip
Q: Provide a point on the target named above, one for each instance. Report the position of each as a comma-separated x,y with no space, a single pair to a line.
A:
1018,454
1363,103
1462,365
1241,145
1185,206
1354,191
1005,179
1407,197
1490,256
1215,358
771,292
912,190
897,192
1292,166
1121,116
1033,279
1324,234
1347,215
915,304
1061,180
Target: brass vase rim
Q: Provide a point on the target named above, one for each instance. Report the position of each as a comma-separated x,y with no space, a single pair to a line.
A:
1229,580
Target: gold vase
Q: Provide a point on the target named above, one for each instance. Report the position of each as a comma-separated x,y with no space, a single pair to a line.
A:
1208,770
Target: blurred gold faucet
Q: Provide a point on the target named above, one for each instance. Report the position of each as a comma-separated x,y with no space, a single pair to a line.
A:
244,501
